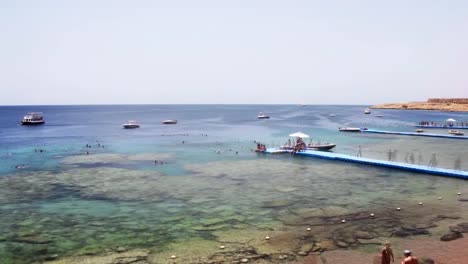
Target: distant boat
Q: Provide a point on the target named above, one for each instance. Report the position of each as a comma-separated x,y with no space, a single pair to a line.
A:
33,118
263,116
131,124
332,115
456,132
349,129
367,111
419,130
378,115
169,122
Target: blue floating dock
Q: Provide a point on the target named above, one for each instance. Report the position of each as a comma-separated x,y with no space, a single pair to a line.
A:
442,127
413,134
378,163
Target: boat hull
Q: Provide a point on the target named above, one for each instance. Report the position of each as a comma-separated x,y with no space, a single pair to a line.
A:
32,123
169,122
130,126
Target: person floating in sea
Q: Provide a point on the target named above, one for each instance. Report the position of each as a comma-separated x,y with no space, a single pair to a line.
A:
408,258
387,253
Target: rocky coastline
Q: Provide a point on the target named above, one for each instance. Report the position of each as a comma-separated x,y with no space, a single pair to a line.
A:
438,104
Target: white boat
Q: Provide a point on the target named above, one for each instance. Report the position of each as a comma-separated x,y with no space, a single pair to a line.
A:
131,124
33,118
169,122
349,129
367,111
456,132
332,115
324,146
263,116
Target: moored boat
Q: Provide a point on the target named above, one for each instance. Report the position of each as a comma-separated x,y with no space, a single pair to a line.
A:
131,124
349,129
367,111
169,122
456,132
262,115
33,118
324,146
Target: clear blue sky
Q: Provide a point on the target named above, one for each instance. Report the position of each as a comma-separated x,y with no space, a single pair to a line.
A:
312,52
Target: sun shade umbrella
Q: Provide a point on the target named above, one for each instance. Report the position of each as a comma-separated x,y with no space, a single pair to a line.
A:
299,134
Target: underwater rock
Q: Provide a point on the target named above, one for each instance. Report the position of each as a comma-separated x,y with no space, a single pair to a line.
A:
276,203
457,229
136,256
409,231
463,200
451,236
363,235
448,216
464,226
370,241
426,261
341,244
31,240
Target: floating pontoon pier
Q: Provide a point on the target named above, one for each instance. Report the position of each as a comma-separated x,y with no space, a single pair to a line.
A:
374,162
412,134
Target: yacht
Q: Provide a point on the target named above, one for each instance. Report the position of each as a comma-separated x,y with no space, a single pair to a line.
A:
131,124
263,116
367,111
169,122
456,132
349,129
34,118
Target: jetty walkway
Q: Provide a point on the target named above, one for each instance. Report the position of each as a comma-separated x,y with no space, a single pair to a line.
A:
374,162
412,134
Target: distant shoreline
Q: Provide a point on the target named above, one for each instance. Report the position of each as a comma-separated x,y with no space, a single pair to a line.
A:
450,105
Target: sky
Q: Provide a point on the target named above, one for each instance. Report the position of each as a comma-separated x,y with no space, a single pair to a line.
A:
232,52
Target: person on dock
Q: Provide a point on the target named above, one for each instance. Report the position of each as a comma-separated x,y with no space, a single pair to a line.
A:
408,258
387,253
359,153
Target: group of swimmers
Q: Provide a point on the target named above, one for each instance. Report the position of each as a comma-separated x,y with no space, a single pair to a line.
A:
261,148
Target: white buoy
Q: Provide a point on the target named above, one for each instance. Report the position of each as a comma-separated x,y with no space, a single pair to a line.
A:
372,215
267,238
440,198
308,229
173,257
459,193
222,247
420,203
343,221
398,208
244,260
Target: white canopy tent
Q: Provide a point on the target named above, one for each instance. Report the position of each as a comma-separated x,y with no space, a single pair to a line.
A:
299,134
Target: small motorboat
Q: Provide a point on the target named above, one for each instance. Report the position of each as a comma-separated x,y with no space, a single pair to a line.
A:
419,130
367,111
131,124
169,122
34,118
318,146
263,116
349,129
456,132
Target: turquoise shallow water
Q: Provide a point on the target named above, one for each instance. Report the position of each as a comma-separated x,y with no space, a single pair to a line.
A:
207,181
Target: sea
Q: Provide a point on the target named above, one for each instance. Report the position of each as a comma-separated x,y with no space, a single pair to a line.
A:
80,185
